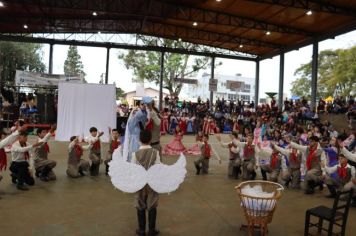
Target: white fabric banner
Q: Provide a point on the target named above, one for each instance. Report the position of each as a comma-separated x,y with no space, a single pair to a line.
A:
34,79
81,106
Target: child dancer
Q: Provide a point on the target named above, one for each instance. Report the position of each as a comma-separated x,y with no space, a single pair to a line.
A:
5,142
95,150
234,167
20,166
293,173
175,147
44,166
146,198
164,123
203,162
345,179
274,165
77,165
195,149
114,143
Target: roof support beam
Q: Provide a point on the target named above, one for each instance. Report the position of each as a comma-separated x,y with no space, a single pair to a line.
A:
27,39
164,10
314,5
159,29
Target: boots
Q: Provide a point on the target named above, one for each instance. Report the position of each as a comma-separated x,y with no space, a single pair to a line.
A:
235,172
152,214
44,174
287,183
264,175
94,169
253,175
310,187
106,169
141,218
198,169
353,203
332,191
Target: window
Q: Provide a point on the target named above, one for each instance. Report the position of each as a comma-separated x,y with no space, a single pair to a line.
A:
247,88
245,97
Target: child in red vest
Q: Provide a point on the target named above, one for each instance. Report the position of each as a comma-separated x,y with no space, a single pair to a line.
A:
114,143
203,162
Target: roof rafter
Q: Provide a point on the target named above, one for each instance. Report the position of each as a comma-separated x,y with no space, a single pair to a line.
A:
171,10
29,39
314,5
134,26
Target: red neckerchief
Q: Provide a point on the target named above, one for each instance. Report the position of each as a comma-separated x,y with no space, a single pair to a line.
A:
96,145
342,171
206,150
3,159
274,160
46,147
115,144
149,125
293,156
27,154
310,157
78,151
248,150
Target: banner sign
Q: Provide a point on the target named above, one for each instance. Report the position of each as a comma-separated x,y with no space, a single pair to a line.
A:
186,81
234,85
36,79
213,85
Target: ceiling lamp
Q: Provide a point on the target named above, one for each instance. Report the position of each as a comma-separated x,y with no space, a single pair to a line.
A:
268,33
241,46
25,26
95,14
309,13
195,23
179,39
99,32
1,4
218,0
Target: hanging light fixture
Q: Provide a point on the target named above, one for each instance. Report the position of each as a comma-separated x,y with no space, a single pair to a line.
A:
309,13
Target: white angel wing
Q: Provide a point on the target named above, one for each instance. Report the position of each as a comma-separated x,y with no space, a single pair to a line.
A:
167,178
125,176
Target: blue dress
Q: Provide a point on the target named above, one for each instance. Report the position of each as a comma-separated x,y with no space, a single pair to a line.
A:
332,159
190,126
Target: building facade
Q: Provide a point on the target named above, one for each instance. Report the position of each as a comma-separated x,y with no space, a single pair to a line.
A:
246,92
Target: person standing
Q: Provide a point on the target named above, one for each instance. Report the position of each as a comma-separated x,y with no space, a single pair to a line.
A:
146,198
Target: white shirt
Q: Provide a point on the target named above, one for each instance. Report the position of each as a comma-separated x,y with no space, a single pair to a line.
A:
349,155
85,147
333,169
9,139
133,159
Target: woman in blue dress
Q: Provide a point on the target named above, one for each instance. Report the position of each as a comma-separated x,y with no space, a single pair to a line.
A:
190,122
331,154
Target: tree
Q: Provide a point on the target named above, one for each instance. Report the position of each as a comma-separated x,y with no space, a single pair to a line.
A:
73,65
119,93
146,65
19,56
336,74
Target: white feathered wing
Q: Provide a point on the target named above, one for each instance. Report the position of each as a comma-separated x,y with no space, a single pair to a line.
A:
125,176
167,178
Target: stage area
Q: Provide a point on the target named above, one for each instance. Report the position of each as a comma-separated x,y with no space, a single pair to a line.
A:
90,206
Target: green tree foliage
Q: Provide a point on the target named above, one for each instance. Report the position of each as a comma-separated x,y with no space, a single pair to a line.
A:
73,65
146,65
19,56
336,74
119,93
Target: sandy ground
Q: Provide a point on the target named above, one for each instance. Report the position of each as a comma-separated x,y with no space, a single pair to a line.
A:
203,205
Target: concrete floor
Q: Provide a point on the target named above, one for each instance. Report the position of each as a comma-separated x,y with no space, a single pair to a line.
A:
203,205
